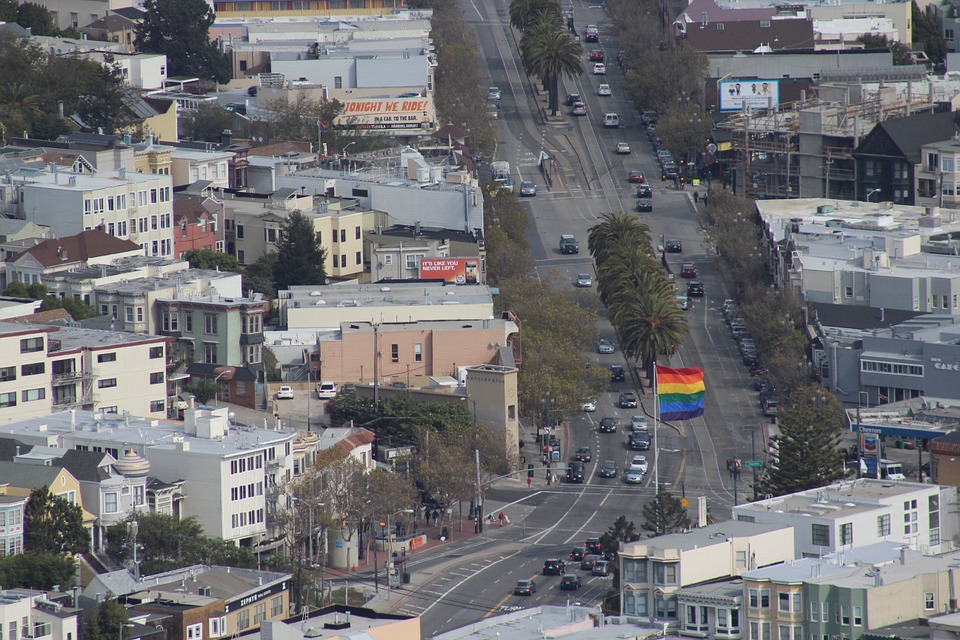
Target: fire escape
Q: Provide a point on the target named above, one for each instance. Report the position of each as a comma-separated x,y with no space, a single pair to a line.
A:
72,386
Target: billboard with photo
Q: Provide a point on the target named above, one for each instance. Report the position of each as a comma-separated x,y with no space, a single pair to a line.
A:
758,94
394,114
455,270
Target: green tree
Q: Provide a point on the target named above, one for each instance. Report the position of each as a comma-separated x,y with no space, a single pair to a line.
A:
926,33
208,121
33,570
91,627
78,309
259,275
17,290
525,13
37,290
111,618
300,256
807,456
664,514
207,258
622,531
180,29
37,18
204,390
900,51
53,525
9,10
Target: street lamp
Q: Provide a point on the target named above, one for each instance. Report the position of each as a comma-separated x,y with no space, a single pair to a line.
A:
128,625
223,371
870,195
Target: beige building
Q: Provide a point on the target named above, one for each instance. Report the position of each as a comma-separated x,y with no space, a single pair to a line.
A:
329,307
58,368
192,165
653,571
492,392
253,228
395,253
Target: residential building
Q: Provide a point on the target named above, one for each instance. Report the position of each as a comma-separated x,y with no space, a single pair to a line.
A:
395,253
192,165
19,480
938,174
134,206
17,235
196,225
85,249
857,513
313,307
152,157
231,474
54,368
653,571
34,616
708,27
339,224
11,307
712,610
201,601
214,332
141,71
349,622
888,156
11,524
492,392
573,622
113,27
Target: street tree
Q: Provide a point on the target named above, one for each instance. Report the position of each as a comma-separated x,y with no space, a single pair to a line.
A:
300,256
621,532
551,53
53,525
32,570
207,258
259,275
664,514
806,456
180,29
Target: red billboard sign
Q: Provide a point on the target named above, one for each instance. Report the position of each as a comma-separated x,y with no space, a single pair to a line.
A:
455,270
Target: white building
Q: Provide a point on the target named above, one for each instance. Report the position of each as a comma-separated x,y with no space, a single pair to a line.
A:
191,165
230,473
134,206
146,71
857,513
30,613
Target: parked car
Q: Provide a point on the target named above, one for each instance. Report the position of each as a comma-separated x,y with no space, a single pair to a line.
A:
608,469
617,373
584,280
605,346
628,400
525,588
554,567
674,246
771,408
493,92
607,425
528,188
570,582
326,390
683,302
589,406
285,393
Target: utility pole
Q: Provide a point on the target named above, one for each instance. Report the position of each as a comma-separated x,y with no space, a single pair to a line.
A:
753,456
376,368
479,494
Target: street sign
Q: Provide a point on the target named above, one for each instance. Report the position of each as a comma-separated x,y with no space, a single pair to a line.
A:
753,463
684,502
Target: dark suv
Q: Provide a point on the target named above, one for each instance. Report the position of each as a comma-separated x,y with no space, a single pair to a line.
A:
639,441
570,582
554,567
616,373
575,471
608,425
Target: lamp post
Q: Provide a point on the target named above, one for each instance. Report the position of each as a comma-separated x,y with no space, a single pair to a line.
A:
870,195
860,395
310,506
128,625
223,371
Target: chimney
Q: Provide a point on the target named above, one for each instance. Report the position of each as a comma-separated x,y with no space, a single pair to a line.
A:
903,555
191,399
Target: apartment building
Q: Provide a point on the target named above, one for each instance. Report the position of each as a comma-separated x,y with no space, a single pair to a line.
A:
128,205
396,253
938,174
192,165
231,474
11,524
56,368
653,571
141,71
856,513
56,255
32,615
196,223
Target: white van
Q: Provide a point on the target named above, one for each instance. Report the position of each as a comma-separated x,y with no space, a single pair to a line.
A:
611,120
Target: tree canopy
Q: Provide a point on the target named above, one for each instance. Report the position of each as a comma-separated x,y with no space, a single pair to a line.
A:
180,29
664,514
53,525
207,258
301,259
34,570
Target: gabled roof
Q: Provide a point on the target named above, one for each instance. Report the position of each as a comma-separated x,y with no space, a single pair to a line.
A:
29,476
131,13
42,317
190,208
358,438
84,465
10,447
79,248
856,317
909,134
111,22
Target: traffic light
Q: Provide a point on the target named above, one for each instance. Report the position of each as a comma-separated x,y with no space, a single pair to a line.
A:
529,470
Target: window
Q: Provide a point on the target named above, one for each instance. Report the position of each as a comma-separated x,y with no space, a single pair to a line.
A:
195,631
129,314
783,601
814,612
634,570
359,257
929,603
276,606
820,535
156,352
783,632
394,352
797,602
240,231
210,353
754,598
188,321
210,324
932,161
29,395
32,369
171,321
31,345
665,608
106,383
338,82
356,232
413,260
858,616
156,377
664,574
846,533
139,495
243,616
883,525
217,627
848,292
764,598
825,611
111,502
934,519
8,373
909,517
336,261
844,614
946,164
418,352
8,399
260,609
107,357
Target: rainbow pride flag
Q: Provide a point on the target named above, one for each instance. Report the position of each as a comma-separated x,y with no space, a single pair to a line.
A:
680,393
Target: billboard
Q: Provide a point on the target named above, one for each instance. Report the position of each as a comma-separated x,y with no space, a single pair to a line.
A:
455,270
394,114
757,94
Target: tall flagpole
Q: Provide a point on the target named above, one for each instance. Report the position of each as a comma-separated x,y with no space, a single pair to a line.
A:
656,427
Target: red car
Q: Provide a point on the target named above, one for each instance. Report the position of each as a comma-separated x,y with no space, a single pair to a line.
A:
688,271
597,55
635,177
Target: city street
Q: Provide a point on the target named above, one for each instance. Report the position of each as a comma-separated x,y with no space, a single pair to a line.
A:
548,521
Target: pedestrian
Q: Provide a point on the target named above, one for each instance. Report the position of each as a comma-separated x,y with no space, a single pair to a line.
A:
676,183
696,197
436,517
500,518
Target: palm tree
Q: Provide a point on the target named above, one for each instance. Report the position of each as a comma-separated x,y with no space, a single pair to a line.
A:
649,325
614,230
551,53
523,13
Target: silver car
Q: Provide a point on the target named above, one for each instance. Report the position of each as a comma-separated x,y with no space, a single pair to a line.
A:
584,280
605,346
528,188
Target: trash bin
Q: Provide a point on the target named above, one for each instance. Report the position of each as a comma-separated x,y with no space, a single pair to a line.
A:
406,577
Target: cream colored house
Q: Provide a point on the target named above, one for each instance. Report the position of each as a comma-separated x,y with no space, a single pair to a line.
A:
192,165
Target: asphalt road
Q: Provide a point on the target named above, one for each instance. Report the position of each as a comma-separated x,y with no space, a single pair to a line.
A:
473,584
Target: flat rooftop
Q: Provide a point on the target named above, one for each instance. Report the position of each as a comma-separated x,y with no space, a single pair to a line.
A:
571,623
85,181
838,500
387,295
706,536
